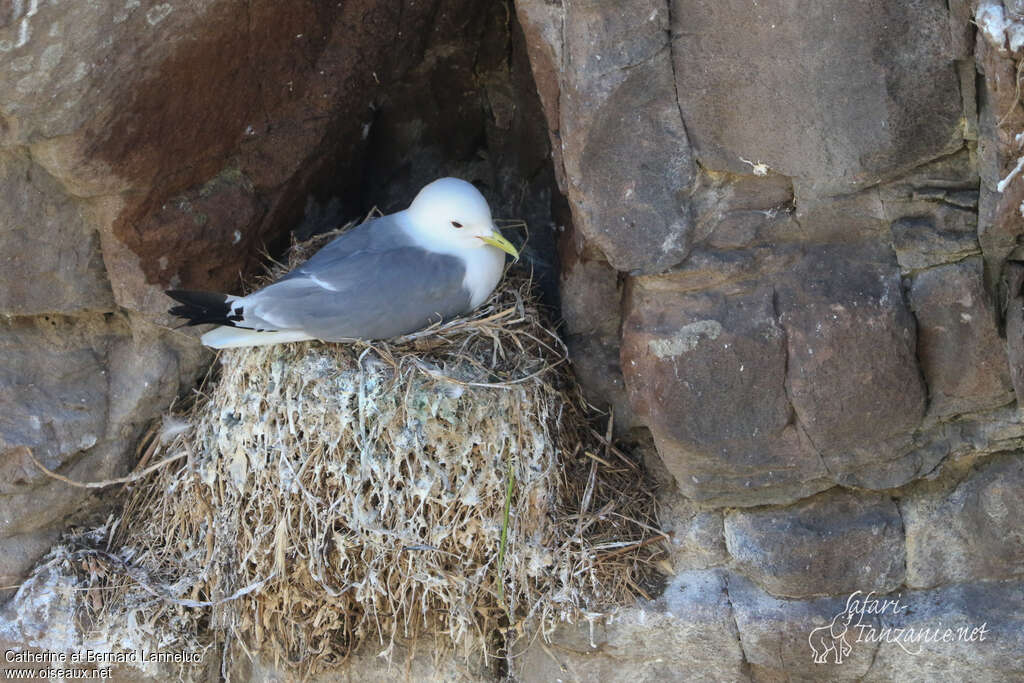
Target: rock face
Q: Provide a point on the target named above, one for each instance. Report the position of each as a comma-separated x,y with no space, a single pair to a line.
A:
716,625
788,257
836,97
624,146
963,360
840,305
75,392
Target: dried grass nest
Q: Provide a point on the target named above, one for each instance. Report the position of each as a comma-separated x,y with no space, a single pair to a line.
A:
321,497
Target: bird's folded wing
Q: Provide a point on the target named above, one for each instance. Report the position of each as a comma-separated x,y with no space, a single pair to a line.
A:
375,235
365,294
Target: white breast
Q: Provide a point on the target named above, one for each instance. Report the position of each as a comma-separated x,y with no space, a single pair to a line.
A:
483,270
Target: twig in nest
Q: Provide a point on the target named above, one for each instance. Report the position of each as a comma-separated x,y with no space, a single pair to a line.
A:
504,537
1016,97
634,546
107,482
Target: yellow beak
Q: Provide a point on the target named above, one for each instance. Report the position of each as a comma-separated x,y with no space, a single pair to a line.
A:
496,240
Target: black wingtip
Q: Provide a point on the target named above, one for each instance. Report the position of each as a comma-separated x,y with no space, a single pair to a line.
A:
200,308
179,295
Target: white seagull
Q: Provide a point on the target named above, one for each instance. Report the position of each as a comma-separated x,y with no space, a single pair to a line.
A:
438,259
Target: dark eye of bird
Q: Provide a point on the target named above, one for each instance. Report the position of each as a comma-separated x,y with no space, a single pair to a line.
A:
456,224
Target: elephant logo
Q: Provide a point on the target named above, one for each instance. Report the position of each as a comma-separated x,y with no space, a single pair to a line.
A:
832,639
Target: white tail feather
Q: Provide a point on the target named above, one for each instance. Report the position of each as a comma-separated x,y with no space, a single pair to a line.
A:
225,337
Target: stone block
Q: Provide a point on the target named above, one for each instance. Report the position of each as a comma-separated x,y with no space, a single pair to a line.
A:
605,80
971,631
963,359
782,639
688,633
968,631
833,543
76,393
852,371
50,256
706,371
839,95
970,530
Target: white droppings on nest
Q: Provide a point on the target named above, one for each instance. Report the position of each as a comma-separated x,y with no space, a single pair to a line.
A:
992,22
999,28
172,428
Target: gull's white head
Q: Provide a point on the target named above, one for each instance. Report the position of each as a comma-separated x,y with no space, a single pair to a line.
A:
452,214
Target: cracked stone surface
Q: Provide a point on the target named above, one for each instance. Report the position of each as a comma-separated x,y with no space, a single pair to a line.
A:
707,374
963,360
780,639
846,309
608,86
76,392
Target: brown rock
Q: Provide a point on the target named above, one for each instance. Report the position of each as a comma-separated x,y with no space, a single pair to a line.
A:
137,121
52,393
848,329
933,212
590,295
833,543
542,29
753,392
980,634
857,217
637,164
839,97
75,393
962,357
737,211
597,367
706,372
920,243
781,638
778,635
590,298
696,533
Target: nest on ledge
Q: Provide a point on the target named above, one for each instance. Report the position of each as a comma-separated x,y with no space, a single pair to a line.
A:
315,498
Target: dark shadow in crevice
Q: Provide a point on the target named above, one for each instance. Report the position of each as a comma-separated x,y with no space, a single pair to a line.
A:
468,109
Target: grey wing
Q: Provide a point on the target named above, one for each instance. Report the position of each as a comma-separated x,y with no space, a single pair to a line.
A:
376,235
366,295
